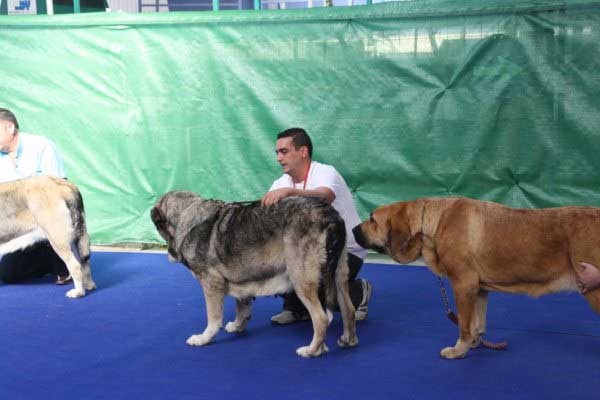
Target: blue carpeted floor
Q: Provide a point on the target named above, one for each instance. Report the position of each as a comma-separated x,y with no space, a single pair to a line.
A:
126,340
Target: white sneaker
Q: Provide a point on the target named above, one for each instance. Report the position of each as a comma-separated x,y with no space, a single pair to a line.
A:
363,308
288,317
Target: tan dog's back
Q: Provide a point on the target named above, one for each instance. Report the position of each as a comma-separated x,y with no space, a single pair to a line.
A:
528,251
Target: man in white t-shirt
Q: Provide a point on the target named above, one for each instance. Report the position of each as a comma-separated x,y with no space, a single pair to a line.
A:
23,155
307,178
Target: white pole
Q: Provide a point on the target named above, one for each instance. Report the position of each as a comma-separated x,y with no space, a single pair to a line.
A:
50,7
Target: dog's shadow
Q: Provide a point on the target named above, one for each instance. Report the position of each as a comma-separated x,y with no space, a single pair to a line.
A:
107,273
43,280
299,333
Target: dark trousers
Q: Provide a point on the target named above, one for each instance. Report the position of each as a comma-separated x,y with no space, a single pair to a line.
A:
32,262
291,302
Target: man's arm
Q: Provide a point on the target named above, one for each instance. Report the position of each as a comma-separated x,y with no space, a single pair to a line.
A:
274,196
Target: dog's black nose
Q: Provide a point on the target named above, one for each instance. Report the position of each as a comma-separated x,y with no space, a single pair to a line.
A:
359,236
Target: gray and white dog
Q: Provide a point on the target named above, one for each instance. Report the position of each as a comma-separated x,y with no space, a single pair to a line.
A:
46,208
246,250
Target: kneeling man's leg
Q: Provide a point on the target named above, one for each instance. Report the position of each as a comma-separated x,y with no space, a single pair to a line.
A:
30,263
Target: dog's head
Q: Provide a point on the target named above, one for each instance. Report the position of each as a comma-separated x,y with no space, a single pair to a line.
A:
393,230
165,216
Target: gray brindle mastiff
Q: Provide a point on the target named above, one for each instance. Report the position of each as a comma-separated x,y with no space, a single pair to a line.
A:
246,250
45,208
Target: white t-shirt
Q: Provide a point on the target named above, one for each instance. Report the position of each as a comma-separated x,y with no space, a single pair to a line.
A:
323,175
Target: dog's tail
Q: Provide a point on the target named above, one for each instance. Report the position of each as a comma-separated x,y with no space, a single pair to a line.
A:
335,245
82,240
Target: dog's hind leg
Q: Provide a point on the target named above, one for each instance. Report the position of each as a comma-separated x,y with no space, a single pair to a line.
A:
478,323
243,313
466,291
73,265
214,296
305,260
82,245
348,339
309,295
83,256
58,225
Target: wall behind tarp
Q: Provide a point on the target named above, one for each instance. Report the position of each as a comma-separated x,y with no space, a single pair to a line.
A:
492,100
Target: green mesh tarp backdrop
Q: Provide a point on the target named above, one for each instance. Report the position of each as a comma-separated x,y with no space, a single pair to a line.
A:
496,100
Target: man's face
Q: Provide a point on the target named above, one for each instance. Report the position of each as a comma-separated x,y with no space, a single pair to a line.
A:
288,157
6,134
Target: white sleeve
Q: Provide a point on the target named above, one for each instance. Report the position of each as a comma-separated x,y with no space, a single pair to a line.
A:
279,183
328,177
51,162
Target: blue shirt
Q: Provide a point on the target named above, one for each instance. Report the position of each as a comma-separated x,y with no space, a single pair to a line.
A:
36,155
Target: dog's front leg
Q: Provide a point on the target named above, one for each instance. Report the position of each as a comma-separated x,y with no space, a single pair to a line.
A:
465,293
243,313
214,295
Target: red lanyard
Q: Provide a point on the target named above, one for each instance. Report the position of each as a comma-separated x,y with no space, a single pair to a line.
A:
305,178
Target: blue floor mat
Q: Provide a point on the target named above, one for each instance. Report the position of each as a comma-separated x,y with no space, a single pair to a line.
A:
126,340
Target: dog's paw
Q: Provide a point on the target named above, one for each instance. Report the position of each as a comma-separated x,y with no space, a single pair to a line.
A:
306,352
75,293
452,353
90,285
232,327
198,340
347,342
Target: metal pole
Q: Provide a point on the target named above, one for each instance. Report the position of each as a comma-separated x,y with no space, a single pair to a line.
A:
215,5
49,7
257,4
76,6
369,2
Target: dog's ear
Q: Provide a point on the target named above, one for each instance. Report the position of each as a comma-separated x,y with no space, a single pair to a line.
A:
160,221
157,217
195,224
404,245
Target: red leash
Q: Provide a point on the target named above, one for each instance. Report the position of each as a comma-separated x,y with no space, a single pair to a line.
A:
452,317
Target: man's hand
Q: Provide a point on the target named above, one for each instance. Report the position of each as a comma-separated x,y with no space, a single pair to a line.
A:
588,277
274,196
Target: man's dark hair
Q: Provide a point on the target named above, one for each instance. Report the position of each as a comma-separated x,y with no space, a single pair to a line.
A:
7,115
299,138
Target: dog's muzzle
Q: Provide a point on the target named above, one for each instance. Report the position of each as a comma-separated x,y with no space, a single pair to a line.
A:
363,242
360,238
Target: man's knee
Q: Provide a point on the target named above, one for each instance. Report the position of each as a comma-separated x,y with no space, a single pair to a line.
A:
7,269
354,265
23,264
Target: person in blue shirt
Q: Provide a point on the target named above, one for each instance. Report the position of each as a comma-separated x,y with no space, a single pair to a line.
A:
23,155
